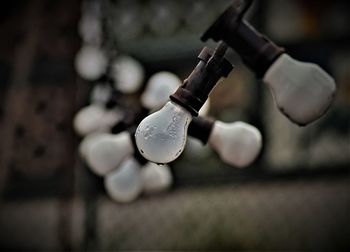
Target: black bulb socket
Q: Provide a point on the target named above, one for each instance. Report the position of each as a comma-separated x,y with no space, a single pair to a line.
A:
196,88
256,50
201,128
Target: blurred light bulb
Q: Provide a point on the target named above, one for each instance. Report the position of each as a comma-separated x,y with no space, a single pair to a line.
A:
302,91
106,154
158,89
94,118
87,141
90,30
125,183
161,137
156,178
100,94
90,62
236,143
128,74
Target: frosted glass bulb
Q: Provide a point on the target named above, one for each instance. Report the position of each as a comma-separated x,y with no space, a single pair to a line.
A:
105,155
100,94
124,184
89,28
196,149
161,137
158,89
87,119
302,91
90,62
128,74
95,118
156,178
236,143
89,140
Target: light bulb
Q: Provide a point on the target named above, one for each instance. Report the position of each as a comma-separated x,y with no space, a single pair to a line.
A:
302,91
158,89
90,62
106,154
161,137
156,178
89,28
125,183
236,143
100,94
128,74
89,140
94,118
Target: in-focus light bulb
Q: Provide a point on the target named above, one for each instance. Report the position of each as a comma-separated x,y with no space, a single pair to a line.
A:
158,88
107,153
90,62
125,183
302,91
156,178
161,137
236,143
128,74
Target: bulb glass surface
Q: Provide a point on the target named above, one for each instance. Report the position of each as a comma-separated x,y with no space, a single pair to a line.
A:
107,153
159,87
89,140
302,91
236,143
89,28
161,137
124,184
95,118
90,62
128,74
100,94
156,178
87,119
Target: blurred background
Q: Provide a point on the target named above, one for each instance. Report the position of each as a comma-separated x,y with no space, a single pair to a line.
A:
295,196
